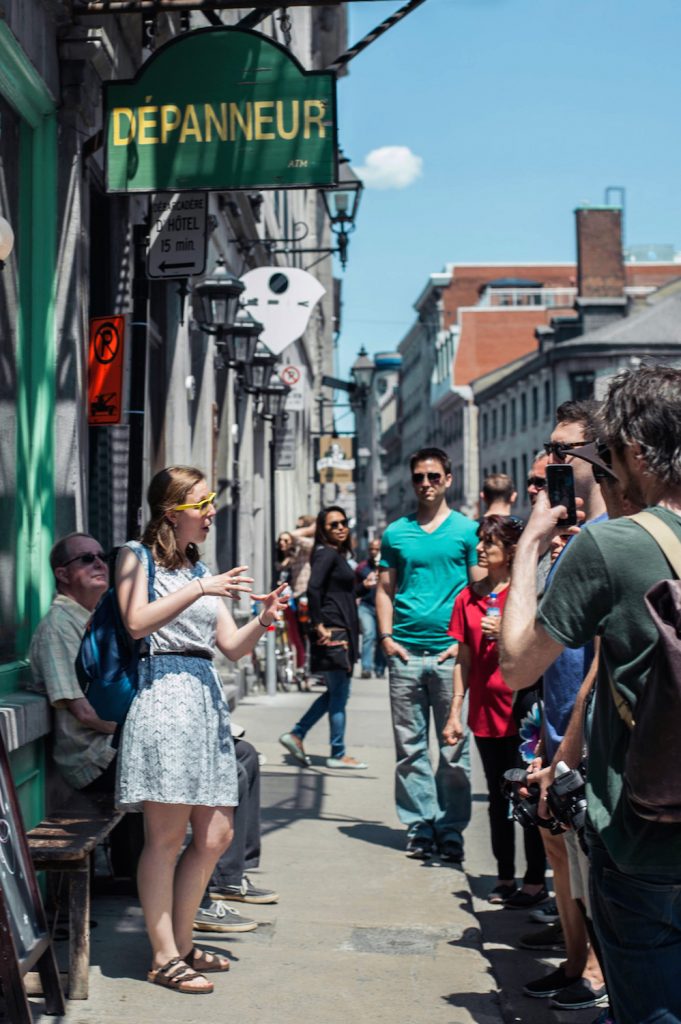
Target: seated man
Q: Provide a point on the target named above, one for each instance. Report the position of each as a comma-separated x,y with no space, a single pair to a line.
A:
82,741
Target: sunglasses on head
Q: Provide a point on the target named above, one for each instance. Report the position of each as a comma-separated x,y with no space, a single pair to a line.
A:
336,524
87,559
419,478
536,481
559,449
200,505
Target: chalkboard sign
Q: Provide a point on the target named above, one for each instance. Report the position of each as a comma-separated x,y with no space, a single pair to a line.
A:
24,938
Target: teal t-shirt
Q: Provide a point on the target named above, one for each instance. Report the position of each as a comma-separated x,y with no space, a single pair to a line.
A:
597,589
431,570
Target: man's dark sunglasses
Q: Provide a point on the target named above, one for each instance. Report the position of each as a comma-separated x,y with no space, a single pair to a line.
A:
87,559
336,524
560,448
419,478
536,481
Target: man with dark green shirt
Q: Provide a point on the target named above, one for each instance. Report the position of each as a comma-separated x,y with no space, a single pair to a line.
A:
598,589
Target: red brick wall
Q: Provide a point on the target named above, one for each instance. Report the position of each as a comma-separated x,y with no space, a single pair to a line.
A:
599,253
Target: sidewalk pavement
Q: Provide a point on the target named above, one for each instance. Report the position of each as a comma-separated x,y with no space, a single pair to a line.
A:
361,933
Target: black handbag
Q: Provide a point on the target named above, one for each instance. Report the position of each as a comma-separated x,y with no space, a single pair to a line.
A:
332,657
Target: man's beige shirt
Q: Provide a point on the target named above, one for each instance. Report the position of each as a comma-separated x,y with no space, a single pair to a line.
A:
81,753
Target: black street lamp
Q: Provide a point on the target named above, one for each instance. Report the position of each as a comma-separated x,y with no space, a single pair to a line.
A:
274,400
216,300
362,371
258,372
341,204
240,339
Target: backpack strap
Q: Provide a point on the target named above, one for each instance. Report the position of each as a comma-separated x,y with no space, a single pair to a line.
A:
664,536
151,572
670,546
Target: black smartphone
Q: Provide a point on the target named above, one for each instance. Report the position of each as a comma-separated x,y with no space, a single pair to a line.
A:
560,484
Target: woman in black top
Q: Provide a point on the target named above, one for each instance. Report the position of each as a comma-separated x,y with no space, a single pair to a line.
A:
333,615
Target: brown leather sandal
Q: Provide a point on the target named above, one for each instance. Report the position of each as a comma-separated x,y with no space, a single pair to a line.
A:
205,962
178,975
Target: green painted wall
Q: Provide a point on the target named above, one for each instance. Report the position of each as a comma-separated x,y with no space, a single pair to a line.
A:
22,87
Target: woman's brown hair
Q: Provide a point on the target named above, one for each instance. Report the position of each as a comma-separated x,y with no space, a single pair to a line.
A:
169,488
504,530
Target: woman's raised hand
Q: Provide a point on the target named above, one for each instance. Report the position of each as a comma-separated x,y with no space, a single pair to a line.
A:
227,584
274,604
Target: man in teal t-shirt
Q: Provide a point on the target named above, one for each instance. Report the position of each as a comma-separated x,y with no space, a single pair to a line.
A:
425,561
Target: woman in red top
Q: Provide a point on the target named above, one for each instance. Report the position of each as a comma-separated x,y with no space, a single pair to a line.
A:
490,711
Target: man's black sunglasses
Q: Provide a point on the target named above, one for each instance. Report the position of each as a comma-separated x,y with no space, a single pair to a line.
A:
536,481
419,478
560,448
87,559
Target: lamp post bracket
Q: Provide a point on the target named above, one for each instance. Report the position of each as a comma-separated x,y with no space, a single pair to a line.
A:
339,385
345,58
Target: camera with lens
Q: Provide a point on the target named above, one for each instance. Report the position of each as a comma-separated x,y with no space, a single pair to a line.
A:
567,798
525,808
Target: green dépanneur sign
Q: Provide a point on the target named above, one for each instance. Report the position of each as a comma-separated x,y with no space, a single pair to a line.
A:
220,108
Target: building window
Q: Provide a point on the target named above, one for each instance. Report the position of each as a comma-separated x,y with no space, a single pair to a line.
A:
535,404
514,470
523,411
504,412
494,424
514,423
582,386
494,467
547,399
503,465
524,460
485,428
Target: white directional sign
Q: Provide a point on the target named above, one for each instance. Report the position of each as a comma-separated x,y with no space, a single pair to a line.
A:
177,234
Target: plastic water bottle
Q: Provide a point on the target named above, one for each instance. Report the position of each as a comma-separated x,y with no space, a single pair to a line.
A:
493,611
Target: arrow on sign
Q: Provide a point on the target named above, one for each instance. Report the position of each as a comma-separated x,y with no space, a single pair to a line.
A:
173,266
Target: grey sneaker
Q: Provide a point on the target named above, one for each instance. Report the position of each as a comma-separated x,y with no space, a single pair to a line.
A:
547,913
218,917
244,893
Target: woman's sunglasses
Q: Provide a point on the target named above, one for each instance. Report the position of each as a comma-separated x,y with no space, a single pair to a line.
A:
337,524
200,505
419,478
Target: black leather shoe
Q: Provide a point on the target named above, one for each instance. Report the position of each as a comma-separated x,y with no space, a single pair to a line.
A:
420,848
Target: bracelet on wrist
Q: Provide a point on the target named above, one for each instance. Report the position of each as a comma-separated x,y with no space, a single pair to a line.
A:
265,625
461,696
384,636
200,582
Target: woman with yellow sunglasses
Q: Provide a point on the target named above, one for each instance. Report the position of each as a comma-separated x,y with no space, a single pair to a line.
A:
176,759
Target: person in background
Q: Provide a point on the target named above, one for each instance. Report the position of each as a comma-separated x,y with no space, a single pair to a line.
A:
490,709
177,757
333,614
426,559
498,495
373,659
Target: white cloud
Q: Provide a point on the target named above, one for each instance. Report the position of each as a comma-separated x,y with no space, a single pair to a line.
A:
390,167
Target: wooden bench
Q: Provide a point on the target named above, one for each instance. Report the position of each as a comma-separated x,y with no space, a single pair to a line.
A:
64,842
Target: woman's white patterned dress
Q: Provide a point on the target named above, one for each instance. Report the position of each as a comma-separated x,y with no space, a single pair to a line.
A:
176,746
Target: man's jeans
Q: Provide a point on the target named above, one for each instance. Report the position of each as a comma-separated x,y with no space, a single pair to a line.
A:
430,805
333,700
638,922
243,854
372,655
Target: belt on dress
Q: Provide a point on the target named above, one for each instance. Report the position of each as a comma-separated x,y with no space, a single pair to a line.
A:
183,654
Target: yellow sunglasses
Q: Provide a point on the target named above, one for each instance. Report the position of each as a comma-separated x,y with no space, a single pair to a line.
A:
200,505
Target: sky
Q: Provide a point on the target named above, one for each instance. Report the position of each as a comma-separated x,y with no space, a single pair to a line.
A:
479,125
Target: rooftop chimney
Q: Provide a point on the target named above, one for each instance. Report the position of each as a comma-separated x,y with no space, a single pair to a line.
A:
600,266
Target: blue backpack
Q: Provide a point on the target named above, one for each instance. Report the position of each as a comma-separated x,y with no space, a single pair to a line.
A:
108,657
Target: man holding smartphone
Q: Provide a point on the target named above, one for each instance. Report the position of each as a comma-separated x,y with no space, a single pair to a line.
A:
578,982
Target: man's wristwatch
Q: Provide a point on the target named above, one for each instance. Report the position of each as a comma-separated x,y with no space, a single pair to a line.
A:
384,636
